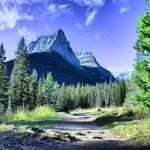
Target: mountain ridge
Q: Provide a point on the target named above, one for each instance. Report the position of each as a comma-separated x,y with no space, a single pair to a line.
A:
53,53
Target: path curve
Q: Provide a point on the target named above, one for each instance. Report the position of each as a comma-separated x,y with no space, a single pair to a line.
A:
89,135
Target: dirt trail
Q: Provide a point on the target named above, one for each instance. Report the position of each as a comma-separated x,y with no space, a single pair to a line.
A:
89,136
75,132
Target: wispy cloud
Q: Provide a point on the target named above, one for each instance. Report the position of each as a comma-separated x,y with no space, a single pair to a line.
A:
124,9
90,17
79,25
57,10
124,5
93,7
97,35
27,33
9,16
89,3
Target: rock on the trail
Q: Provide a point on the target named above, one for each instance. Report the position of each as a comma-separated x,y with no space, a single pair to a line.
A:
81,134
11,126
37,130
97,137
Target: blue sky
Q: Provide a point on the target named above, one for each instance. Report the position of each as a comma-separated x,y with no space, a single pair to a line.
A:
105,27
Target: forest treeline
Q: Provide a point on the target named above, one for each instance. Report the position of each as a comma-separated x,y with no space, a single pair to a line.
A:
27,91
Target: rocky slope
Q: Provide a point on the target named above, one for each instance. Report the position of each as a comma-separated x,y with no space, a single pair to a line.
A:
90,64
56,42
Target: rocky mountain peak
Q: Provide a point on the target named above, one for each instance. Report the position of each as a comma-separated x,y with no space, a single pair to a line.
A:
56,42
87,59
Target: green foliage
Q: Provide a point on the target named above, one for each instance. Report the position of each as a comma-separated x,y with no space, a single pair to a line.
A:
85,96
48,88
3,77
33,89
141,75
19,86
40,117
64,101
39,93
125,119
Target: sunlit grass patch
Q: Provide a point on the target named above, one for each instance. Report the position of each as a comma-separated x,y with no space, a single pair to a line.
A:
137,130
132,123
3,127
42,116
79,111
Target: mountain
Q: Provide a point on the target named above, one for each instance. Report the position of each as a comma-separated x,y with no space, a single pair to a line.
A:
125,76
91,65
87,59
56,42
54,53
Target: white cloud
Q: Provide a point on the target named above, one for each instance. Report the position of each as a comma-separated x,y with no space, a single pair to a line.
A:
90,17
93,7
27,33
57,10
97,35
9,16
20,2
124,9
79,25
89,3
123,5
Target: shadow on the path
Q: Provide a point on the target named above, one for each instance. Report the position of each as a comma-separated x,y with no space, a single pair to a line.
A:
74,125
25,140
104,145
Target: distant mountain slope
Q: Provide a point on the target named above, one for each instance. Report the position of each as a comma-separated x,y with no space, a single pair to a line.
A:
91,65
61,69
125,76
53,53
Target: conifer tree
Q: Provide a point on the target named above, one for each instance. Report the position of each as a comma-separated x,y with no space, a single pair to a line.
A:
33,88
39,93
20,78
48,89
141,74
3,77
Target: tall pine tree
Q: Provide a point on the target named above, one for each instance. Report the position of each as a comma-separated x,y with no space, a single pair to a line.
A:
19,88
33,88
3,77
40,93
48,88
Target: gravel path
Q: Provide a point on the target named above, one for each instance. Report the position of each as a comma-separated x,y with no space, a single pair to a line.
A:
89,136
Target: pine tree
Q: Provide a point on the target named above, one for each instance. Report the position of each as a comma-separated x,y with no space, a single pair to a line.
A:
39,93
19,90
48,89
77,96
33,88
3,77
141,75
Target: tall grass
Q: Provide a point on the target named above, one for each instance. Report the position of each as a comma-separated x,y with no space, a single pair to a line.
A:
41,113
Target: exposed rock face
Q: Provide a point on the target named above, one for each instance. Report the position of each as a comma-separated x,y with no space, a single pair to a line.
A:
56,42
53,53
90,64
87,59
